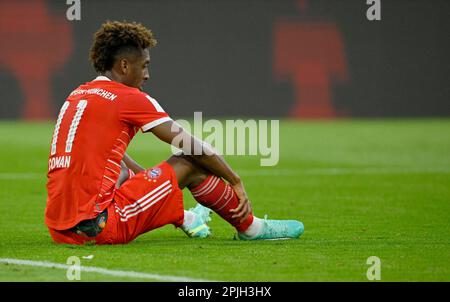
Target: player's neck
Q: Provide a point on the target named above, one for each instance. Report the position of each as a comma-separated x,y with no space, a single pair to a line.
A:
112,76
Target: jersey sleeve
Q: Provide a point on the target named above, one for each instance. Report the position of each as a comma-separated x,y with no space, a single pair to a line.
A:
143,111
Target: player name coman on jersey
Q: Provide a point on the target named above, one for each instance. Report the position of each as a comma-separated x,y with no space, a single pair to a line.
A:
93,130
59,162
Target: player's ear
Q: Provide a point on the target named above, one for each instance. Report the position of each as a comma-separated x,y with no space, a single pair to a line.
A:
124,66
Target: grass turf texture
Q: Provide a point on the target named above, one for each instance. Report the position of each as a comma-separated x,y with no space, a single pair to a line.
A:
362,188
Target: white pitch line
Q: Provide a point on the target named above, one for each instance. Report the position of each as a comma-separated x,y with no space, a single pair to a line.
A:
103,271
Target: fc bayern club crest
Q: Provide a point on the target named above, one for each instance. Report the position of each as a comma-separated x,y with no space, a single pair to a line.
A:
154,173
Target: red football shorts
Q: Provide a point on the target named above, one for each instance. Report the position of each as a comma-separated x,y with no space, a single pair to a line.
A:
146,201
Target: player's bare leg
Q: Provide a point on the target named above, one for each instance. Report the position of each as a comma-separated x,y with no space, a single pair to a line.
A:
188,173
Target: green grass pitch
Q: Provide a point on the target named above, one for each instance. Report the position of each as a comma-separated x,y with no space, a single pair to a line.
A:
361,187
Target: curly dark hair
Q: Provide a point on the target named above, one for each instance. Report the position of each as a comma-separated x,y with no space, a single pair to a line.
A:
114,38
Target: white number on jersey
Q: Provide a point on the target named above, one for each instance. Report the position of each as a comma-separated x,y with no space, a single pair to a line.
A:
81,106
73,127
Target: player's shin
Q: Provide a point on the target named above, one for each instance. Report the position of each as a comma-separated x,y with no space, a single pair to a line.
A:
219,196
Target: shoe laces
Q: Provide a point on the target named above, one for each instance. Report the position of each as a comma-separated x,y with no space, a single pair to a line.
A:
274,225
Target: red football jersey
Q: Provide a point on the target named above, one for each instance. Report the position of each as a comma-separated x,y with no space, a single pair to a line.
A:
92,132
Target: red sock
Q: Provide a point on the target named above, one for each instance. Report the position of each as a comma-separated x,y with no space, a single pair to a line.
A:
219,196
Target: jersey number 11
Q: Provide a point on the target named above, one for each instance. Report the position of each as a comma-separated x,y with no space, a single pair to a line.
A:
81,106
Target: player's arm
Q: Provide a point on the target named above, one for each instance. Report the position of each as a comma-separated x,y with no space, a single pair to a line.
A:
210,160
127,163
131,164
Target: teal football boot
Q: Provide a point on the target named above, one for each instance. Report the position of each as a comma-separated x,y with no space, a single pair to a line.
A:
199,228
276,230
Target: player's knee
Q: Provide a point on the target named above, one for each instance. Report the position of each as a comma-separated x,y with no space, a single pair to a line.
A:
181,160
187,170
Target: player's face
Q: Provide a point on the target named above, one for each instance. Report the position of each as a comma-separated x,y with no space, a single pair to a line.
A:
138,71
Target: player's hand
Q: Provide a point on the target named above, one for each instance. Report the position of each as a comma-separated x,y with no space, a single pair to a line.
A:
124,174
244,208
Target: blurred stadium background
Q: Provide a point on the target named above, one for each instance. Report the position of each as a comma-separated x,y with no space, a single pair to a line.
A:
374,181
264,58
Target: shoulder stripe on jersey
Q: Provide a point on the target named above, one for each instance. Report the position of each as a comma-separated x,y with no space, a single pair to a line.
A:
155,104
155,123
